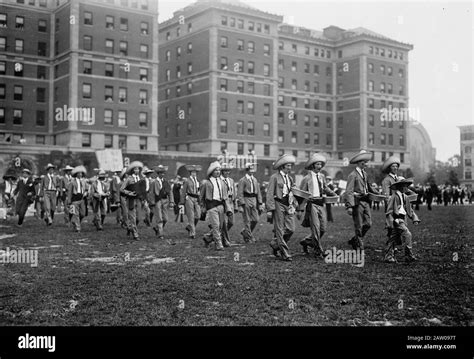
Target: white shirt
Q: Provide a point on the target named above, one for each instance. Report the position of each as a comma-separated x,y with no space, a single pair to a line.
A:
395,177
229,186
196,182
8,187
286,187
100,189
250,178
79,185
50,185
147,180
160,182
316,192
401,209
135,178
216,194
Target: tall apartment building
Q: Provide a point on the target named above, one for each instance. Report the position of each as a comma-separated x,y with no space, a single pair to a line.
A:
467,146
79,74
236,78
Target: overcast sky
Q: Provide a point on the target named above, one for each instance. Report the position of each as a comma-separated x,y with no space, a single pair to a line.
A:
440,66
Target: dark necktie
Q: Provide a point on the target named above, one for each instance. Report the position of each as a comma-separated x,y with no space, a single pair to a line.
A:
219,189
252,190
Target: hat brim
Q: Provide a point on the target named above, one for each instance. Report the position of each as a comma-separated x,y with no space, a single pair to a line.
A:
79,169
402,183
389,162
212,168
310,164
283,161
361,157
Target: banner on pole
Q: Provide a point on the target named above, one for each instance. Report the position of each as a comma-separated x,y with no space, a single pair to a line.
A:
109,159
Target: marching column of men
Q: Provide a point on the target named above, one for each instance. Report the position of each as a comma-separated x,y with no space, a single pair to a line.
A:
137,193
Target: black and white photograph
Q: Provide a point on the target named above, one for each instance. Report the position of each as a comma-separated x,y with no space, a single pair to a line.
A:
247,165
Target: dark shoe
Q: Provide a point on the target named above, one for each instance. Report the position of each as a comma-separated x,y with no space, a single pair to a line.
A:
287,259
276,251
188,228
129,232
226,243
147,222
192,237
305,246
319,255
410,259
156,231
206,242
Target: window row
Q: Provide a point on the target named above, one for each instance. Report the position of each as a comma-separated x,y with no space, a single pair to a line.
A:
239,66
240,46
17,116
240,24
179,73
108,141
241,107
389,124
180,113
381,52
19,46
18,93
109,70
306,86
177,132
248,130
386,139
109,94
239,87
87,44
294,102
189,50
306,68
293,119
383,105
306,50
110,23
178,31
189,87
385,70
41,3
293,138
250,147
386,88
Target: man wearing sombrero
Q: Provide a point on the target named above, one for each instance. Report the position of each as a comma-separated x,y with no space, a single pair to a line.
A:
63,187
160,198
398,209
315,183
99,192
115,195
357,200
49,191
390,167
249,197
281,205
190,199
145,204
130,188
24,192
231,191
77,192
214,197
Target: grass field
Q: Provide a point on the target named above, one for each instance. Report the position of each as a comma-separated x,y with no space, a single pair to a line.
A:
102,278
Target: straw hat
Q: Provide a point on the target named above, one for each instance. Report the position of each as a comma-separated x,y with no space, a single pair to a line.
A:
283,160
363,155
78,169
212,167
316,157
389,162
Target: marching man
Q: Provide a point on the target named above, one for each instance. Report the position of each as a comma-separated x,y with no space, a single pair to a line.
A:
25,191
77,191
357,200
281,205
64,185
99,192
129,188
214,198
249,198
160,198
315,183
230,188
398,209
115,195
190,199
49,191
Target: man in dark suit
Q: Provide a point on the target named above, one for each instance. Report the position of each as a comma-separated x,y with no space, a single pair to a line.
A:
281,206
77,191
190,199
99,190
115,195
49,192
160,198
131,188
24,192
231,194
249,198
357,201
63,187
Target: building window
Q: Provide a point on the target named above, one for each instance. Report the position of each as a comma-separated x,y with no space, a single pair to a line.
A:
371,138
2,115
266,150
3,43
251,67
402,157
402,140
122,118
18,70
382,69
382,87
316,139
281,82
3,20
42,26
267,90
281,64
19,22
87,18
108,117
251,108
240,65
266,70
382,139
87,67
328,89
17,117
281,45
240,24
371,120
109,94
224,104
40,94
294,120
167,93
122,95
143,74
294,84
40,118
123,24
86,140
18,93
144,51
294,137
190,87
224,20
266,50
123,48
143,143
316,69
240,148
87,43
250,128
266,129
109,22
401,90
19,46
266,109
328,122
224,41
371,85
294,48
251,88
223,126
240,45
281,101
168,75
240,127
306,103
371,68
306,138
122,142
108,141
109,70
281,136
371,103
281,117
223,63
143,120
400,73
240,107
328,106
294,66
294,102
328,139
223,84
144,28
